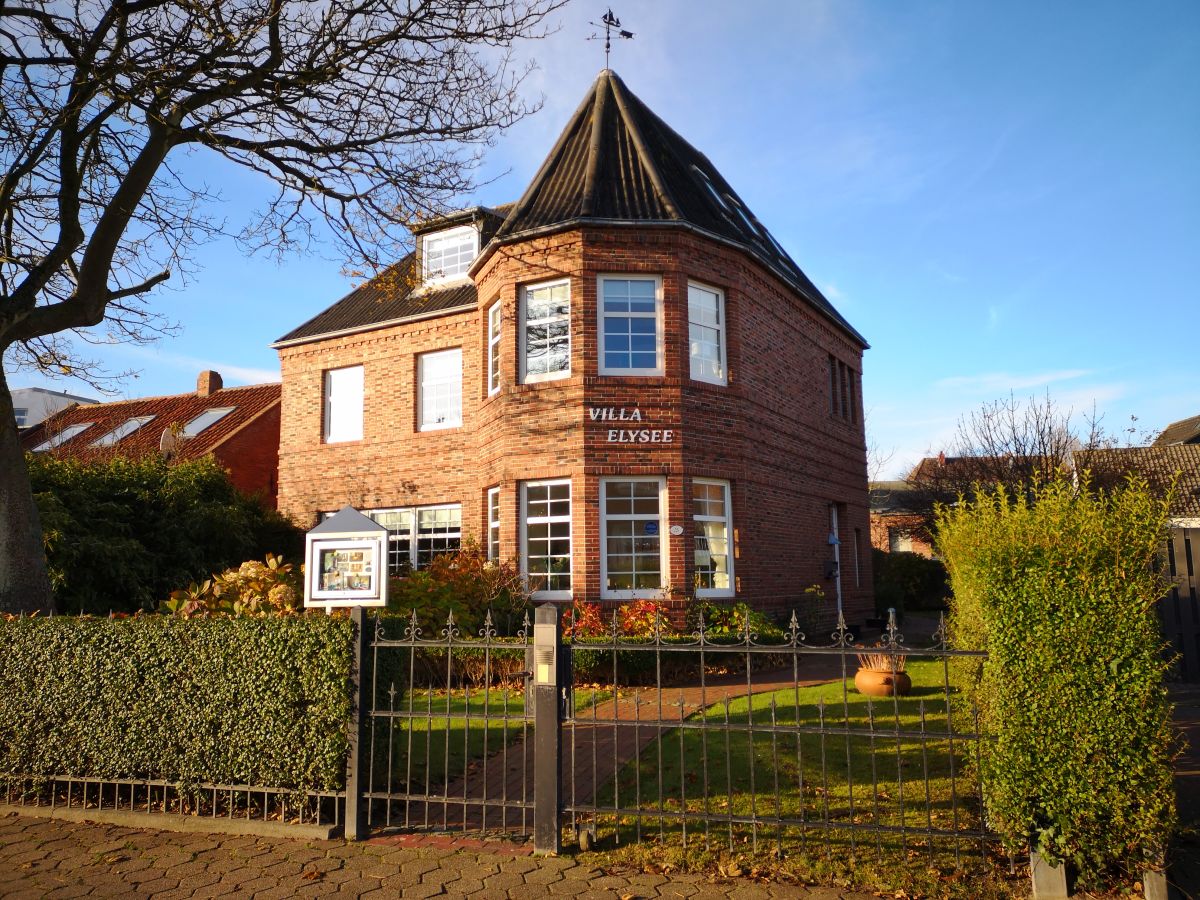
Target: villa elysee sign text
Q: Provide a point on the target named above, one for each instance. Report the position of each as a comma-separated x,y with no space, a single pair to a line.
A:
628,421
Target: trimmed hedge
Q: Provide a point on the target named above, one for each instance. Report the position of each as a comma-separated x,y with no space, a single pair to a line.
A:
907,582
1060,587
224,700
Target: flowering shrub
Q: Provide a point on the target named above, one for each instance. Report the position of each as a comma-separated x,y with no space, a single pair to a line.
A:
467,584
724,622
252,589
636,619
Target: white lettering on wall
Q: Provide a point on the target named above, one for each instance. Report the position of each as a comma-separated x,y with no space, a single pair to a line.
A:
629,436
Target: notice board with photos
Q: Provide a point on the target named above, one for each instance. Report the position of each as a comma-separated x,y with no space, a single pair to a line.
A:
346,562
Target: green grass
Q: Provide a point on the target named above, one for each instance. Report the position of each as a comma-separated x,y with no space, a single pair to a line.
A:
855,773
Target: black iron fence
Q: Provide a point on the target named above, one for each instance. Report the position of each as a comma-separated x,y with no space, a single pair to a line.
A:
723,740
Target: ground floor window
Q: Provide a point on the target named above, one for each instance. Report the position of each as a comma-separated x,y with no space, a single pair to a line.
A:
546,550
631,561
712,528
899,540
416,535
493,541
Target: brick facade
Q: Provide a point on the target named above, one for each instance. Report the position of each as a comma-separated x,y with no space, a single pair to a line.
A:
770,432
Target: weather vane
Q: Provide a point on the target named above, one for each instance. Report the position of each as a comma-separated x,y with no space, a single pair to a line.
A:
609,22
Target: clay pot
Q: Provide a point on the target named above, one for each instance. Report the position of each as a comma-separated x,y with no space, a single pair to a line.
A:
882,684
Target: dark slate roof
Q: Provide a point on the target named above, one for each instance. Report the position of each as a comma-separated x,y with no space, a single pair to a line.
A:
391,296
618,163
1185,431
248,404
1159,465
889,496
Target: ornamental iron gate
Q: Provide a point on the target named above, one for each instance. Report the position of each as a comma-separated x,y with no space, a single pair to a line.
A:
717,739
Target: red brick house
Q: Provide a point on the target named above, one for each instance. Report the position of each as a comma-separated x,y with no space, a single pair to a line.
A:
622,381
238,426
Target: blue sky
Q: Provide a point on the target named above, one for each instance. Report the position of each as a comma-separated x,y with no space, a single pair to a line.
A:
1000,197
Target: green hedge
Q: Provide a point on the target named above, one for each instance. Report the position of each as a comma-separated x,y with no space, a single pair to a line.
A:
1060,587
224,700
907,582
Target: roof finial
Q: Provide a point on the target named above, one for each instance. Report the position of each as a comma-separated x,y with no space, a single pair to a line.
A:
609,22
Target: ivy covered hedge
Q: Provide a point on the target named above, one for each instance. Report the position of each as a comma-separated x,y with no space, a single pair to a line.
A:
1060,587
224,700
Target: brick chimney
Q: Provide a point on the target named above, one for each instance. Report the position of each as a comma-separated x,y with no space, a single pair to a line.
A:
209,382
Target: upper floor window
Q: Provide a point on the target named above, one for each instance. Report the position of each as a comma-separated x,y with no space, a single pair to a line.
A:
546,331
706,333
494,348
62,437
22,414
843,391
126,428
440,377
631,325
205,419
343,404
447,255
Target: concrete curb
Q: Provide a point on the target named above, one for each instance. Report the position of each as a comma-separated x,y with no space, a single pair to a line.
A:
170,822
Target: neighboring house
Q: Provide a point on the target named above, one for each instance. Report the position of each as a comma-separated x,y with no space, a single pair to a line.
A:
1185,431
238,426
34,405
622,381
895,527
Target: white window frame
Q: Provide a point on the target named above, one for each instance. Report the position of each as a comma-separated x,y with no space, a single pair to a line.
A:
448,235
727,519
663,548
329,435
455,418
526,377
525,522
660,344
723,379
412,515
493,520
122,431
61,437
495,332
22,415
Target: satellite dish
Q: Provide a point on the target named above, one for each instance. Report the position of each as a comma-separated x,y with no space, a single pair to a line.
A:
169,442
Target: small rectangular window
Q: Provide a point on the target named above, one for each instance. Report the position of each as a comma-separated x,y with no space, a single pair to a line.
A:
712,523
447,255
630,326
833,386
56,440
494,348
546,554
344,404
632,556
126,428
546,331
205,419
440,378
22,414
706,333
493,507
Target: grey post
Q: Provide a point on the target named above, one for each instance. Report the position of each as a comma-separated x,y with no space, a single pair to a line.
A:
355,824
547,732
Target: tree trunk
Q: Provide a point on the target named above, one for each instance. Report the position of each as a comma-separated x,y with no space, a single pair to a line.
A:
24,583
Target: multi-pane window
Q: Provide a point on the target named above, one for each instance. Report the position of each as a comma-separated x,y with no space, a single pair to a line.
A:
494,348
22,414
631,537
712,527
343,404
440,376
546,331
630,326
706,333
62,437
448,254
843,390
205,419
493,507
547,551
415,536
126,428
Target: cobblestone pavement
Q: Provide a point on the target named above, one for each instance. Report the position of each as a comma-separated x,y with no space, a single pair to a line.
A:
50,858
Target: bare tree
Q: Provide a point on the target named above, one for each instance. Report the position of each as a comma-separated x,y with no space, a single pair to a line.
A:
364,115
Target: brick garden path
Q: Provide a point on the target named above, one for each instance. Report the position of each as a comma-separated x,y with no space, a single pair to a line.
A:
45,858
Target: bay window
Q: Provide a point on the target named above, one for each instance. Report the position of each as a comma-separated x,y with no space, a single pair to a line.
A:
546,331
546,526
712,528
631,325
706,334
632,563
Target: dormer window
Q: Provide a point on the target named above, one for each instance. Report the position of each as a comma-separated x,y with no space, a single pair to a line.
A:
447,255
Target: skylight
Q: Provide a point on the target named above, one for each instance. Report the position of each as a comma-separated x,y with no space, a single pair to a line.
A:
205,419
711,189
126,428
62,437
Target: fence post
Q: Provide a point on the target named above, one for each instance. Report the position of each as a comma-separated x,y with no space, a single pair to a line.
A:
355,827
547,732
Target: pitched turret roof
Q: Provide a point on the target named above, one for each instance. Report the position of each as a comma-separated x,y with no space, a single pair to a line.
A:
617,163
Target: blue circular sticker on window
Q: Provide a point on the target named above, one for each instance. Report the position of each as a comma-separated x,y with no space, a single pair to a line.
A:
650,528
